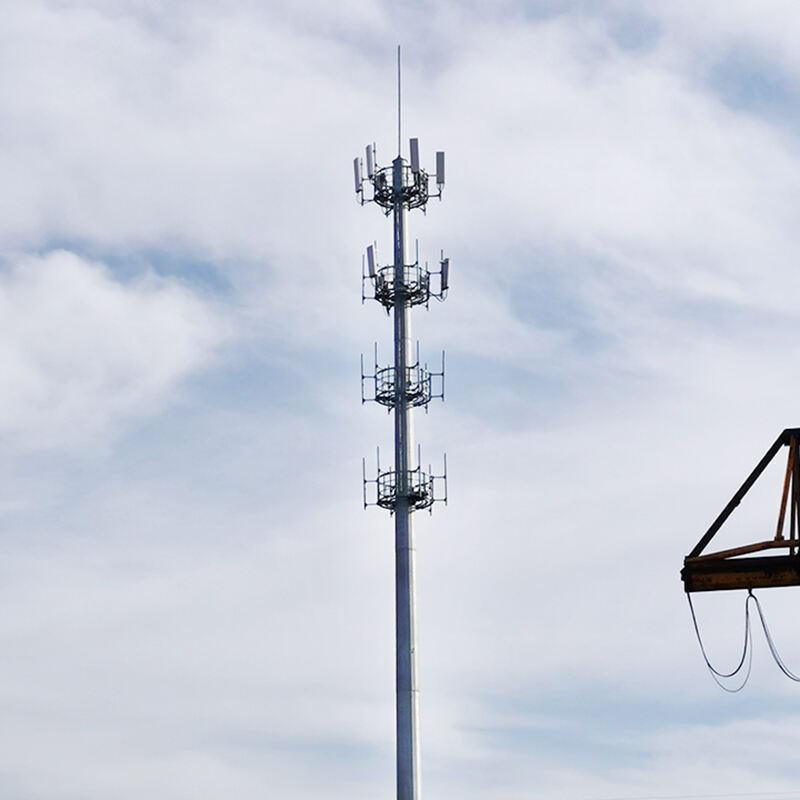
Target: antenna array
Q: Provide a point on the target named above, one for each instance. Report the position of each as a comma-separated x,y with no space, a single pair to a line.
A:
401,387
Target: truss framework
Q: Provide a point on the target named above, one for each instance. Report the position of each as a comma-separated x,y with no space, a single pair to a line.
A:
738,567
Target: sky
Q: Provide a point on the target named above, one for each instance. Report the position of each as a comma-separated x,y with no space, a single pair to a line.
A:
194,602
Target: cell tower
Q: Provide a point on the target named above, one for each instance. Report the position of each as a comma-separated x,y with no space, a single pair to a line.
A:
406,385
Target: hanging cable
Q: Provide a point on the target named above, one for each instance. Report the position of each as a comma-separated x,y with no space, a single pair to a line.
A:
747,648
771,643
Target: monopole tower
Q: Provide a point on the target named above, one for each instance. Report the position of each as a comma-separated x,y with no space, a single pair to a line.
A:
407,384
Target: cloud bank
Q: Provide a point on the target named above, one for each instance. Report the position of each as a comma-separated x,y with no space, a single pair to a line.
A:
196,604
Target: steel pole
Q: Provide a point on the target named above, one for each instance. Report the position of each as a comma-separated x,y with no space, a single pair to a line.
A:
408,777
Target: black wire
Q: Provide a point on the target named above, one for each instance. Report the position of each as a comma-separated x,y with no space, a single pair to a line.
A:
771,643
746,648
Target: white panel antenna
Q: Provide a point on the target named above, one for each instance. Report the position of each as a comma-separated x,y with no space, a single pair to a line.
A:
440,168
371,260
357,173
370,160
414,155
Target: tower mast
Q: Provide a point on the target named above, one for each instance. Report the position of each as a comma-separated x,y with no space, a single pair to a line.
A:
408,384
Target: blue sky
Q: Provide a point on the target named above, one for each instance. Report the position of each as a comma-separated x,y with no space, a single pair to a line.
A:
195,604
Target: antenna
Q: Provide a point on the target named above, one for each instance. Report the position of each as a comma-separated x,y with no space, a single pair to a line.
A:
357,174
399,104
414,147
406,384
370,160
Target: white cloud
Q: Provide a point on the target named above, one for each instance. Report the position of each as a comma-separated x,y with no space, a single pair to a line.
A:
80,352
718,26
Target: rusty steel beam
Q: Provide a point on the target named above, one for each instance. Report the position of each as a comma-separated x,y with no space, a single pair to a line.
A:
740,573
782,440
742,551
787,484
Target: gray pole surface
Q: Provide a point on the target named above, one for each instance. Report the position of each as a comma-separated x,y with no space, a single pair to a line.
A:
408,777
